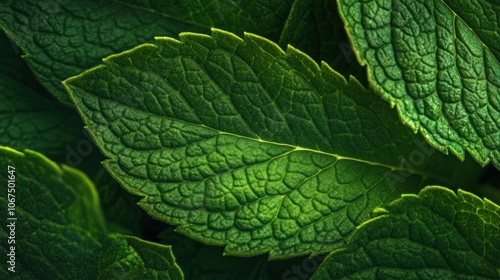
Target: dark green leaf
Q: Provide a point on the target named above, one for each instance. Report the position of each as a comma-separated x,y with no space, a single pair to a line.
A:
436,234
203,262
64,38
264,17
58,226
315,27
28,116
120,208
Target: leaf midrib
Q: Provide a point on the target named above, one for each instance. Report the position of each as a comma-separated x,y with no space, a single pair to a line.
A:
295,148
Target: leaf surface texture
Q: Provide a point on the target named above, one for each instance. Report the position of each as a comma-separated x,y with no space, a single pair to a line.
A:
436,234
240,143
437,61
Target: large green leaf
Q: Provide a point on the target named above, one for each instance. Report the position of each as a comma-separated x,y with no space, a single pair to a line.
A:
436,234
240,143
57,226
437,61
64,39
28,118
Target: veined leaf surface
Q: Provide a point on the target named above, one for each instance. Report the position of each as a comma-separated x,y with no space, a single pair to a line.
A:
59,230
264,17
436,234
64,39
28,119
437,61
240,143
57,236
128,257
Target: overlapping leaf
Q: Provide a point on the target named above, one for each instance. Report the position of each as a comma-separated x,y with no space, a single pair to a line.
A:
315,28
128,257
264,17
49,242
436,234
438,63
28,116
240,143
64,38
59,229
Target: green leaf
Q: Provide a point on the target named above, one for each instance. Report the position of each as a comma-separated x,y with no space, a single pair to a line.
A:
315,27
203,262
264,17
438,63
128,257
436,234
28,118
61,40
64,39
57,227
240,143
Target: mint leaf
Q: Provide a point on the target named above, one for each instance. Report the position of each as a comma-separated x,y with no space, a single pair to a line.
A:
240,143
57,227
315,27
61,40
128,257
436,234
438,63
28,119
64,39
59,230
203,262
